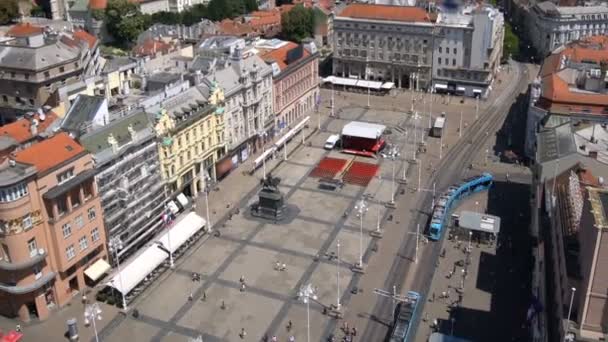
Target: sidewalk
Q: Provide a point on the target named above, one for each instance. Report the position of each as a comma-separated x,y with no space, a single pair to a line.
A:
232,190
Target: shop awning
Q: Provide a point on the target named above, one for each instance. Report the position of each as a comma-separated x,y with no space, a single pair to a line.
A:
136,270
363,130
369,84
477,91
441,86
388,85
98,269
291,132
461,89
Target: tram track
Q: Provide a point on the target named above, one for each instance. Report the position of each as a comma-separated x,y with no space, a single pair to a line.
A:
449,171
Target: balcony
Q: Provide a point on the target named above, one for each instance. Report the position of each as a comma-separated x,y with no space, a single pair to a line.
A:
15,266
18,290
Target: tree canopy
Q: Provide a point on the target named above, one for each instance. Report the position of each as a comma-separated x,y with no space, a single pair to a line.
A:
510,46
124,21
298,23
9,11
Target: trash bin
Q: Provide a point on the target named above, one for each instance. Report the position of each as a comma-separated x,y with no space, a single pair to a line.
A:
72,329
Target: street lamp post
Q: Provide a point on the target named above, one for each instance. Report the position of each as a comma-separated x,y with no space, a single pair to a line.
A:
419,174
92,313
368,90
477,108
431,110
206,190
393,154
116,245
572,291
460,125
168,224
417,241
263,135
333,100
445,127
470,238
338,277
361,208
307,293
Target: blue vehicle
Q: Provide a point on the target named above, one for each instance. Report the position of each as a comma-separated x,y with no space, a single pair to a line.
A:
452,195
405,314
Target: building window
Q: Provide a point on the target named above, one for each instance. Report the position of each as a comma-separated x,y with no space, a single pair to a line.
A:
78,222
13,193
439,61
454,62
95,234
37,272
455,51
75,201
83,243
91,214
65,176
4,98
447,50
62,207
27,221
32,247
61,69
67,230
440,49
47,74
70,252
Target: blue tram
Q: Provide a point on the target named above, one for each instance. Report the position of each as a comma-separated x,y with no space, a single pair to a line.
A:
452,195
405,315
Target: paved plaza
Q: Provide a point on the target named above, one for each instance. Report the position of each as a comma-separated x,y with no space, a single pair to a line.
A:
251,248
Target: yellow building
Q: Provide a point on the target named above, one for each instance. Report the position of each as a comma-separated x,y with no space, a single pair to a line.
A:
191,131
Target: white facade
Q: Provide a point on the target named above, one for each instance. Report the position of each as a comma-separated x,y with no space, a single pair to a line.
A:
383,50
467,50
154,6
247,84
179,5
553,26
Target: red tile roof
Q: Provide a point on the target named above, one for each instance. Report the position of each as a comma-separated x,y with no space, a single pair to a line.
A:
280,55
151,47
98,4
87,37
234,28
20,130
24,30
385,12
50,152
557,94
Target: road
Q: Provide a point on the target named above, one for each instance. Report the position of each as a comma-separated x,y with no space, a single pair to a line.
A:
449,171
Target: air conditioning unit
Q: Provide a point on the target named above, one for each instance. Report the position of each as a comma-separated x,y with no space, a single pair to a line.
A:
40,251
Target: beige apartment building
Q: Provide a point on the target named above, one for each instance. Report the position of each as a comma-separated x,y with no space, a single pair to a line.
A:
52,238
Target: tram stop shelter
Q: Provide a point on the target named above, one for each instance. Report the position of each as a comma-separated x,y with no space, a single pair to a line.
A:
483,227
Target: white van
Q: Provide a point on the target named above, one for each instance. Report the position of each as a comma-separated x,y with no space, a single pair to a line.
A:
331,142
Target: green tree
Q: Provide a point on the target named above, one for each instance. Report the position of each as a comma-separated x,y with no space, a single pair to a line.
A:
37,11
9,11
251,5
167,18
297,24
124,21
510,47
283,2
219,10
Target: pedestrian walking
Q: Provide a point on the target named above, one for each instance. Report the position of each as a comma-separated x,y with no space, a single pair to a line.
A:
242,279
243,333
289,325
292,338
274,339
354,331
190,297
204,296
243,287
223,307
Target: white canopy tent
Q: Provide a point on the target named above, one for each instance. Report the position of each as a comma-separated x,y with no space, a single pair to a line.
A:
152,256
363,130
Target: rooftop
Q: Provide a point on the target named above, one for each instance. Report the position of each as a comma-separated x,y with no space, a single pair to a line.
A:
20,130
568,77
97,141
24,30
280,55
87,37
81,113
152,46
385,12
50,152
234,28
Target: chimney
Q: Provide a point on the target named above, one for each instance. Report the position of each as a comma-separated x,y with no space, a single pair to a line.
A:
34,128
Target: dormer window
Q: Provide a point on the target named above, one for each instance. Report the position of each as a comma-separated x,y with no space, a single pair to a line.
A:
65,176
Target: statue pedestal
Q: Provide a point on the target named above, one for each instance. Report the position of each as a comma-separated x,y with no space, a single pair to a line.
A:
271,203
